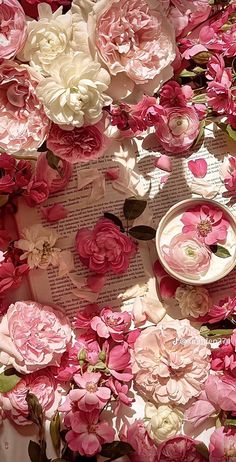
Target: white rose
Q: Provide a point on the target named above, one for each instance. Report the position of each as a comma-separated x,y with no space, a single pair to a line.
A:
162,422
193,301
48,38
74,94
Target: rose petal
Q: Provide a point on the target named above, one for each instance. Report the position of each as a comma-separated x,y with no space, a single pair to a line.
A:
198,167
164,163
168,286
96,282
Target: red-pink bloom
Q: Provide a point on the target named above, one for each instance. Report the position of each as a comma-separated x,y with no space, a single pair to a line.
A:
137,436
83,318
55,213
105,248
13,28
223,310
168,286
111,324
90,395
177,129
11,275
179,449
222,446
228,173
198,167
206,223
174,95
224,357
119,362
88,433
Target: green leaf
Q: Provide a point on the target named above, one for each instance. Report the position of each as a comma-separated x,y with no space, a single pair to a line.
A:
203,450
220,251
35,409
142,232
115,220
231,132
3,199
199,70
116,449
133,208
230,422
55,432
186,73
8,380
53,160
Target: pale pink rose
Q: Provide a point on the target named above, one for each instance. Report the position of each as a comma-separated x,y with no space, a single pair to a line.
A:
13,28
198,167
171,361
187,254
105,248
137,436
177,129
111,324
179,449
90,395
79,145
88,433
206,223
228,173
222,446
33,336
43,385
23,123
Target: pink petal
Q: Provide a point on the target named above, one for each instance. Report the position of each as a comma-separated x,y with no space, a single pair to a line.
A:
96,282
198,167
158,269
112,173
168,286
164,179
54,213
164,162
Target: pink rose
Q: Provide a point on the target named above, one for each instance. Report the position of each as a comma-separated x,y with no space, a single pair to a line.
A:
187,14
205,223
137,436
187,254
174,95
79,145
228,173
11,275
43,385
224,357
111,324
177,129
13,28
23,123
33,336
105,248
118,361
179,449
223,310
222,446
91,394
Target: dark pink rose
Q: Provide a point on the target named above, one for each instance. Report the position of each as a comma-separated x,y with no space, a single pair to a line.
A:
11,275
13,28
223,310
173,94
179,449
105,248
137,435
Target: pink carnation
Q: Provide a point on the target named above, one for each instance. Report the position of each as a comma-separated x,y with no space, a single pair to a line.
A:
177,129
222,446
137,436
179,449
105,248
111,323
90,395
23,123
13,28
43,385
205,223
33,336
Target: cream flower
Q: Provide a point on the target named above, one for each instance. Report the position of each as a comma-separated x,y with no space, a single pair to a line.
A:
38,244
74,94
48,38
162,422
193,301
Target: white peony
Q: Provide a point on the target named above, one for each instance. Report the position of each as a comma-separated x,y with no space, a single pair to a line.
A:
193,301
48,38
162,422
75,92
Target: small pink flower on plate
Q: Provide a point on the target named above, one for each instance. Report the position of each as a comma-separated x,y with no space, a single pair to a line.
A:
164,163
207,224
198,167
90,395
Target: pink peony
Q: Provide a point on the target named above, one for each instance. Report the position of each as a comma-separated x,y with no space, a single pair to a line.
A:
223,310
13,28
90,395
228,173
137,436
79,145
23,123
171,361
179,449
186,254
222,446
88,433
111,323
33,336
206,223
224,357
177,129
105,248
43,385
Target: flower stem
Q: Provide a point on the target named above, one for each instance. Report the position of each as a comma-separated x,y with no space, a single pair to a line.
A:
25,157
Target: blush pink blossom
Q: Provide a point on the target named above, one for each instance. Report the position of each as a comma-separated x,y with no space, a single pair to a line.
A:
228,173
179,449
90,395
13,28
111,324
54,213
177,128
33,336
105,248
23,123
223,310
198,167
187,254
88,433
43,385
206,223
137,436
222,446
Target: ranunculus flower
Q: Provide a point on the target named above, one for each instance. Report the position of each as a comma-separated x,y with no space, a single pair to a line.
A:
207,224
90,395
43,385
222,446
162,422
179,449
13,28
177,128
79,145
171,361
33,336
23,123
193,301
187,255
105,248
223,310
228,173
137,436
111,323
74,94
